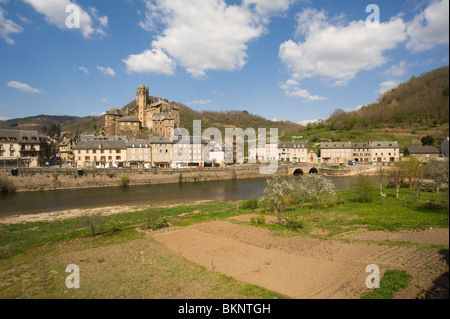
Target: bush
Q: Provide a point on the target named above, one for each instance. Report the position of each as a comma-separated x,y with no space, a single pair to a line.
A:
365,189
251,203
91,221
293,222
124,180
6,186
258,220
393,281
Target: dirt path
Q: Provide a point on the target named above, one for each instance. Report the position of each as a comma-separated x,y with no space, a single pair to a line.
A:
298,267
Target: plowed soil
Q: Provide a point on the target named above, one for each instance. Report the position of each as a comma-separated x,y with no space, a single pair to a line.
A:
304,267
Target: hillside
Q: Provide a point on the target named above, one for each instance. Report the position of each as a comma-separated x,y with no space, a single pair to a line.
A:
220,120
422,100
407,113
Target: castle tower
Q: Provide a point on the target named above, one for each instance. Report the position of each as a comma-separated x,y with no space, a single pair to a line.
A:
142,99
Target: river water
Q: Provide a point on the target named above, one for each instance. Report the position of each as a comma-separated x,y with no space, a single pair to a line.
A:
162,194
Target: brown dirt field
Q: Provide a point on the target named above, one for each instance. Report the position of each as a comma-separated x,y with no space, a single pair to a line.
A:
301,267
438,236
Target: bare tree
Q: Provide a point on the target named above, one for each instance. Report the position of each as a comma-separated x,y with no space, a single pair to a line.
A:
396,178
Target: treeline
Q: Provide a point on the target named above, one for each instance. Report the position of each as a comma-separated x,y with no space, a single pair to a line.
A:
421,100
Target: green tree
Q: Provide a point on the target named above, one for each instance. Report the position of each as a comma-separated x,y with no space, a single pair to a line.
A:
427,140
365,188
411,169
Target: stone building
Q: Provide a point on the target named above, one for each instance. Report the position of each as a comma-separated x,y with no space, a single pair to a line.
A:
101,152
150,115
20,148
423,153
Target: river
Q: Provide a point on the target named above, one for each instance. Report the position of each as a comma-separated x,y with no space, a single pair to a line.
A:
161,194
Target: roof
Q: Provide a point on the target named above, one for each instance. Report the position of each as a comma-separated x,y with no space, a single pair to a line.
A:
138,144
333,145
104,144
162,116
129,118
158,140
427,149
293,144
19,135
384,144
114,111
361,145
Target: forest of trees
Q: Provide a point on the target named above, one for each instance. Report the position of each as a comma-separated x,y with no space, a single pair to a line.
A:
421,100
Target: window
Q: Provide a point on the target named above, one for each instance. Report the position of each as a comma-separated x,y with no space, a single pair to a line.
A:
118,157
117,151
87,158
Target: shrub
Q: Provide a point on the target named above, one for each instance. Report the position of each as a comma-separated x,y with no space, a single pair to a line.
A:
251,203
365,189
91,221
124,180
258,220
6,186
293,222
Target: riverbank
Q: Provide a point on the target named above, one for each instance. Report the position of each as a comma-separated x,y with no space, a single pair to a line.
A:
330,251
39,179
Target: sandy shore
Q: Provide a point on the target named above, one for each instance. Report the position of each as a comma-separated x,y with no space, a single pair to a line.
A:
73,213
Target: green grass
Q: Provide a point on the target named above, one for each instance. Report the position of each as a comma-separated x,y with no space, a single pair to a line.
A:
393,281
335,217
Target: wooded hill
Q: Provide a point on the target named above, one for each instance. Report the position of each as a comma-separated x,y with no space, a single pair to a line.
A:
220,120
422,100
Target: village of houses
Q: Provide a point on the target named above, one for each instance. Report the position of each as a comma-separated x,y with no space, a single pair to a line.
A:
120,144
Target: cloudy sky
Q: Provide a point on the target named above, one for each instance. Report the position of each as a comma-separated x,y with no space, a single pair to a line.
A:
294,60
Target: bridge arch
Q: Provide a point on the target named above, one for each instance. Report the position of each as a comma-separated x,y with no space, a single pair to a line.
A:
298,172
313,171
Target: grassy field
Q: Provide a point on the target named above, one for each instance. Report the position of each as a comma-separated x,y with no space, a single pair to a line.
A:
33,256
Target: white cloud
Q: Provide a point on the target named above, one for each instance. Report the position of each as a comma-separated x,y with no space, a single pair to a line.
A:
267,8
199,102
2,118
291,88
397,70
8,27
203,35
387,85
55,13
338,51
23,87
358,107
151,61
23,19
306,122
105,100
430,27
83,69
106,71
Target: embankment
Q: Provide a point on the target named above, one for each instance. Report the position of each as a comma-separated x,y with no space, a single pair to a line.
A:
30,179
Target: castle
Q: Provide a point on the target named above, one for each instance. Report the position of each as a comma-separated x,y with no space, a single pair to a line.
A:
154,117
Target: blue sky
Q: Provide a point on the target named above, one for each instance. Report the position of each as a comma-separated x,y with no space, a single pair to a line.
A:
294,60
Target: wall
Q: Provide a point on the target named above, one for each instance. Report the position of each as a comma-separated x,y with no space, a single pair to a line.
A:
45,179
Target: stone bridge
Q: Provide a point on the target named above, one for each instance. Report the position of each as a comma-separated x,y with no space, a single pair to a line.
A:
298,169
